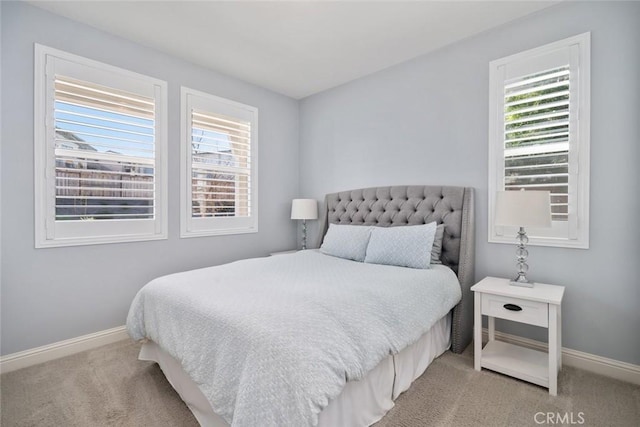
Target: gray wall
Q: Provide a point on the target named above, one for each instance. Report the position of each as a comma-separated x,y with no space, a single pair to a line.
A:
426,122
50,295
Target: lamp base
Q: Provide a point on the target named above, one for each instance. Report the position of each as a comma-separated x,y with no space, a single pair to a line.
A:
521,284
521,256
304,234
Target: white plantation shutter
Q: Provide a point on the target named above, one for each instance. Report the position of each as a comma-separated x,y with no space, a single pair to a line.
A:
100,152
539,136
536,136
104,152
219,157
220,166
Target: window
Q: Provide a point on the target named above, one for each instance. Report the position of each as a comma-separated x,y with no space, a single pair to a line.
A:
219,174
100,152
539,137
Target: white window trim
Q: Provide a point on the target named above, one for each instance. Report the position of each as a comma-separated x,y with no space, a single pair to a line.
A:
223,226
95,233
542,237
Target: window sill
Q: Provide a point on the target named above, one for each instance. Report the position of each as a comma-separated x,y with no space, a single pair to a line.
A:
58,243
543,241
207,233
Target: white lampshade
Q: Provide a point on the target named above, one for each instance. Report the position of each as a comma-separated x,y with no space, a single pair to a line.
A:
304,209
523,208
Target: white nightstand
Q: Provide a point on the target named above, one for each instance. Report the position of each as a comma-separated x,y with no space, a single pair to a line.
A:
538,306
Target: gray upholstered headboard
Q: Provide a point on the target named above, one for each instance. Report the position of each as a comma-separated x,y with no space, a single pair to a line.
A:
413,205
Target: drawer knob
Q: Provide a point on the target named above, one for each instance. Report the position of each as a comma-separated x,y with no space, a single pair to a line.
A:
512,307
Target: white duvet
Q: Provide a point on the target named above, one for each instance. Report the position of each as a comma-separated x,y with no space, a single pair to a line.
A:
270,341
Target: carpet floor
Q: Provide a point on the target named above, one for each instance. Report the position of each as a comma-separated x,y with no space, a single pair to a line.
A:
108,386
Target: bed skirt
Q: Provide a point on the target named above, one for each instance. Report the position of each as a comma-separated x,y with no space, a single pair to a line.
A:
361,403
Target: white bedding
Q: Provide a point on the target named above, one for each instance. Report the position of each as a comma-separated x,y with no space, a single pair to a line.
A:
270,341
361,403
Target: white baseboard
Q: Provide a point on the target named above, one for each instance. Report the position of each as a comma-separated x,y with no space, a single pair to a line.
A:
31,357
589,362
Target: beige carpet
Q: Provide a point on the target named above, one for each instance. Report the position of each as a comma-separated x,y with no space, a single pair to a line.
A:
108,386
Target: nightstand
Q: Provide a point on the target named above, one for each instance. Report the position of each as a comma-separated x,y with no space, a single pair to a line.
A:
539,306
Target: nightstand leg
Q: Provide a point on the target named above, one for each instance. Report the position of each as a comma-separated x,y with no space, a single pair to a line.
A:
559,338
553,350
477,331
491,326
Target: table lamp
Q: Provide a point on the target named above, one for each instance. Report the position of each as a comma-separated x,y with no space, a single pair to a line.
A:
304,209
523,209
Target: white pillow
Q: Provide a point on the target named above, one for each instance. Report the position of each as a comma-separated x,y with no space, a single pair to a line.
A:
404,246
436,249
346,241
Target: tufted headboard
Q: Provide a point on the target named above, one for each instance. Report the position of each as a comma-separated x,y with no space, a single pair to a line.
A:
414,205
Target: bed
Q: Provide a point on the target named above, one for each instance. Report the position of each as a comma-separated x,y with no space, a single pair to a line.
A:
360,334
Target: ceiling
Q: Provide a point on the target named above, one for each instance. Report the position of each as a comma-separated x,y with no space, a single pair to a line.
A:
294,48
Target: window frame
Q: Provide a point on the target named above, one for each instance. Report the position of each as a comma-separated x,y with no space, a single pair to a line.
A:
202,227
51,233
574,233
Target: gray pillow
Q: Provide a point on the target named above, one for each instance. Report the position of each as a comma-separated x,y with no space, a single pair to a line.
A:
406,246
436,250
346,241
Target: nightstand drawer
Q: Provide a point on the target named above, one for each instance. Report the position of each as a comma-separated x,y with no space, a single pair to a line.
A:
516,309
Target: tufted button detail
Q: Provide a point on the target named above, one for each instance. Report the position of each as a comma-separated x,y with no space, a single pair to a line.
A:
400,206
